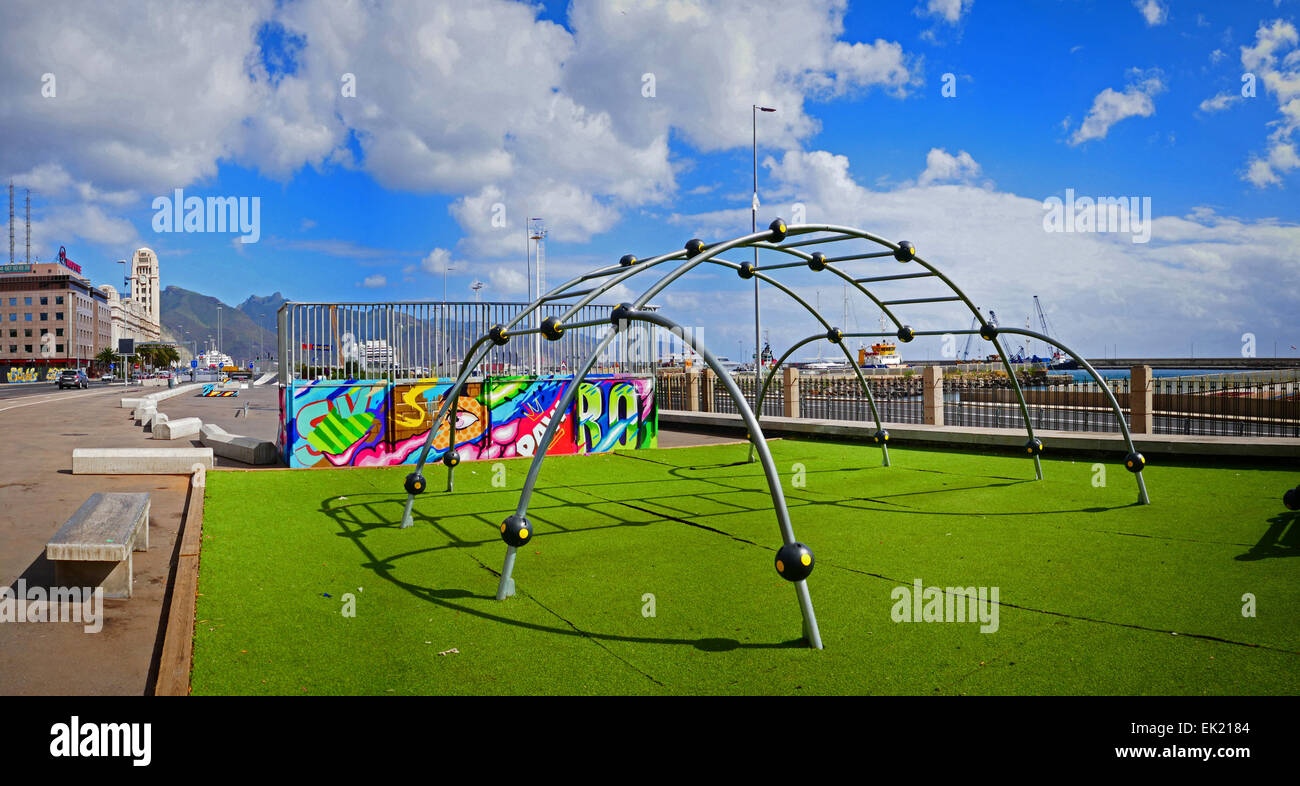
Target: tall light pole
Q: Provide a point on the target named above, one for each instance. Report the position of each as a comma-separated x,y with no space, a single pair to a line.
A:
753,227
219,327
445,268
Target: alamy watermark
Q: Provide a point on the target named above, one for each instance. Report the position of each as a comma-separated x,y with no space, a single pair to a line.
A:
84,605
919,603
1130,215
179,213
94,740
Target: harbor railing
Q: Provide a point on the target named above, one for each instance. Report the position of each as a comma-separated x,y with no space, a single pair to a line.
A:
1247,404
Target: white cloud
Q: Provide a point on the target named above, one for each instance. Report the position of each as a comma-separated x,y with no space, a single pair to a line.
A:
508,281
377,281
437,262
1203,274
1279,71
942,167
1111,106
1153,11
949,11
1219,102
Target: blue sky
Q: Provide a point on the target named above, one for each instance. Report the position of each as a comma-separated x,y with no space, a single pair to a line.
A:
540,108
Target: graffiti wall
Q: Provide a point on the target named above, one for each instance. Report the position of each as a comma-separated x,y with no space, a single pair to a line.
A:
371,423
21,374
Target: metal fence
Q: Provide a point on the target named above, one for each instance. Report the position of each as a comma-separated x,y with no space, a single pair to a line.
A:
1252,404
419,340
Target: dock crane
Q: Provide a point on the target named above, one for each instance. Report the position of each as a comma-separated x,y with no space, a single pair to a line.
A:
1046,326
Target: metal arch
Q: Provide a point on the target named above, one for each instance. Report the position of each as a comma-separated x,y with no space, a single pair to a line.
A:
755,239
506,587
758,402
758,406
1114,405
847,278
844,232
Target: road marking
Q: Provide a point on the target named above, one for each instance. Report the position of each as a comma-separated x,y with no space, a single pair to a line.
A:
57,397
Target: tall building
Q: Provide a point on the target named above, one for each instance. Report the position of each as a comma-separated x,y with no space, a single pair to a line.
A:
51,317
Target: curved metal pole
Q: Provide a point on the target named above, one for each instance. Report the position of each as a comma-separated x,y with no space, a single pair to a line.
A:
800,229
506,586
1114,405
758,408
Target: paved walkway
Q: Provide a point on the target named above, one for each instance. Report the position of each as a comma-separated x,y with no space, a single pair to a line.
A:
38,492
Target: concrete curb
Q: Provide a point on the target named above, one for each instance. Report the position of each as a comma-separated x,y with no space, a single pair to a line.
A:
139,461
247,450
967,437
136,401
177,656
177,429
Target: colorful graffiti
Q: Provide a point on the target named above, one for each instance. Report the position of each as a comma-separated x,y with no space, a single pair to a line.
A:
212,391
372,423
616,413
18,375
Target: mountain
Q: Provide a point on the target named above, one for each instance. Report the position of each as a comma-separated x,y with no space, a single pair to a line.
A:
262,310
190,318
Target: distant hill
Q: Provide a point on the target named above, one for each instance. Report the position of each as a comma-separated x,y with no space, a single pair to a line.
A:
242,337
262,310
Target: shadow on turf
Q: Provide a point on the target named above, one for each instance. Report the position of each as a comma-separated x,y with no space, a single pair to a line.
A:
1282,539
382,568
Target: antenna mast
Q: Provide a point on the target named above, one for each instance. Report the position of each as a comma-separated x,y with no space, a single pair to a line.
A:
29,226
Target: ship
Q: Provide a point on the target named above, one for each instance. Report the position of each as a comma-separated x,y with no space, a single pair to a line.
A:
883,354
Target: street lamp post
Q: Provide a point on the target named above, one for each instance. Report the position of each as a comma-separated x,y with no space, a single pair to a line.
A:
753,227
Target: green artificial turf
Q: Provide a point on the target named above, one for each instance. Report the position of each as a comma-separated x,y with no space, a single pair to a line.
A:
1097,595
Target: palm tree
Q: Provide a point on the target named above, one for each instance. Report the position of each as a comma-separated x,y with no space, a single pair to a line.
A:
106,357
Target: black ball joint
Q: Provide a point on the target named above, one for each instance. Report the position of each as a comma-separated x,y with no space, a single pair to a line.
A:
552,329
794,561
778,230
516,531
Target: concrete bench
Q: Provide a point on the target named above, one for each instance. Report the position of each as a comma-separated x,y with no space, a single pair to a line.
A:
177,429
154,419
94,547
139,461
249,450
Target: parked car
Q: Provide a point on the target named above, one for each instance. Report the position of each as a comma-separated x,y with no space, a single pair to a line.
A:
73,378
107,378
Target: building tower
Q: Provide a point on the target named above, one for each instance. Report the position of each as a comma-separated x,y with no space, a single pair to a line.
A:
144,283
